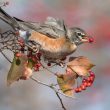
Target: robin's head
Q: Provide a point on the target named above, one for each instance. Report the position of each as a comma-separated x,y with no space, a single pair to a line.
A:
79,36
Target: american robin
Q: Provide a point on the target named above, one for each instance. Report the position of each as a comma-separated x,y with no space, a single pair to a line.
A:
56,40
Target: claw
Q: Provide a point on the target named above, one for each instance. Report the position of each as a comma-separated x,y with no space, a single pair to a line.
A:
62,64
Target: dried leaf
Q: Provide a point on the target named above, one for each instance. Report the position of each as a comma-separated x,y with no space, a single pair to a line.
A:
80,65
18,62
18,69
66,83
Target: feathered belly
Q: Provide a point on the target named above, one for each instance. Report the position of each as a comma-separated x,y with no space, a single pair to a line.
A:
52,48
56,52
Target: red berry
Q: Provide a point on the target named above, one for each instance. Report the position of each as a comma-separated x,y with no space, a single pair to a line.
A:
49,64
18,54
76,90
88,79
92,74
80,89
84,80
39,64
39,54
91,40
36,65
17,33
83,87
34,59
89,84
91,78
36,69
85,84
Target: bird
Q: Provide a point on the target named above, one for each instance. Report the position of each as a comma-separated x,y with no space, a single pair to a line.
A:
56,40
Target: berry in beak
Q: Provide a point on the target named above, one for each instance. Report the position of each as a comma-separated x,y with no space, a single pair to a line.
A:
91,40
88,40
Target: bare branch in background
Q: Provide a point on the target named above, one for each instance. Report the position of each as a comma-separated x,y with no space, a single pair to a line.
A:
54,89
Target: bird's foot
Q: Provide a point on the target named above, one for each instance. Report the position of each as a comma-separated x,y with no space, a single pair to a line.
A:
62,64
34,46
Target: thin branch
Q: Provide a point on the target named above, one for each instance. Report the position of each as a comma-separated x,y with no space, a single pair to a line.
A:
60,101
6,57
32,78
48,70
50,86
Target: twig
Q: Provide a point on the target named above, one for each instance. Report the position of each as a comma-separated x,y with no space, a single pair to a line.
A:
54,89
39,82
50,86
48,69
5,56
60,101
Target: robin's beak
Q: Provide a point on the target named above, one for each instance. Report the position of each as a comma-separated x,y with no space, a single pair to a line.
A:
87,39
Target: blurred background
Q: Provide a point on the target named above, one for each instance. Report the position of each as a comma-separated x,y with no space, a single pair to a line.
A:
91,15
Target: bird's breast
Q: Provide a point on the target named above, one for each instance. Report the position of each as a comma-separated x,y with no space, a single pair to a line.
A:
53,47
47,44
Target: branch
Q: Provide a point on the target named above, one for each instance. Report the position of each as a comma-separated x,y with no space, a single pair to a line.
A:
5,56
54,89
51,86
32,78
60,101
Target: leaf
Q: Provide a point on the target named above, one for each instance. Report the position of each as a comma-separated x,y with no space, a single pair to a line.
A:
66,83
18,62
72,58
80,65
18,69
31,63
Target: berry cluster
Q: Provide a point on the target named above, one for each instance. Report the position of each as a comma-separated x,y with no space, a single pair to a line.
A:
21,42
35,59
37,66
86,82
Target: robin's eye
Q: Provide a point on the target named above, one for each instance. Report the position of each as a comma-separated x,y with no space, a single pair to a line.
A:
79,34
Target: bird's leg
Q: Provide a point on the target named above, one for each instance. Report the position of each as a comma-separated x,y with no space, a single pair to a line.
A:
62,64
34,46
56,62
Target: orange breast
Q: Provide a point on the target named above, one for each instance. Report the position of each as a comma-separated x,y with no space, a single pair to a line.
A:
46,42
51,44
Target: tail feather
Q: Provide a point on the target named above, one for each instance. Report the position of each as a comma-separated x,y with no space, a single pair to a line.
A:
8,19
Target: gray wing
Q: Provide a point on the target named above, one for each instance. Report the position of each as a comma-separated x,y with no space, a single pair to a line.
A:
52,27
